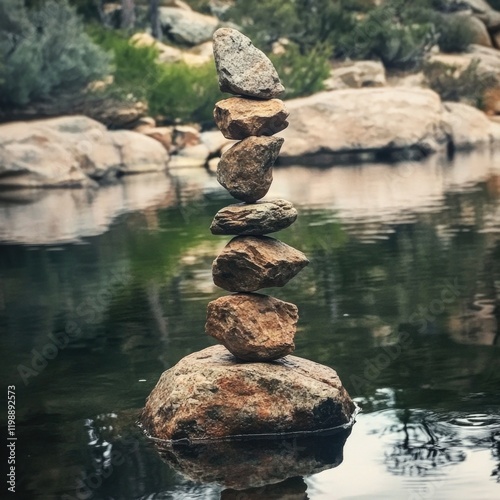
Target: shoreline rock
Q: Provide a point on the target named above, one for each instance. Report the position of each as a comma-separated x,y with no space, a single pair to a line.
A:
73,151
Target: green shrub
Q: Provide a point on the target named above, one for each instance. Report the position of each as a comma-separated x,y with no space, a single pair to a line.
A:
386,34
45,53
305,22
175,91
455,34
461,85
302,74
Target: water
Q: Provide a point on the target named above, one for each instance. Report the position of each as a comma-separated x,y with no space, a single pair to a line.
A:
402,298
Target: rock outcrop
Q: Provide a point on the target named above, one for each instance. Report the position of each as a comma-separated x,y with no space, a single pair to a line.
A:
73,151
187,26
365,120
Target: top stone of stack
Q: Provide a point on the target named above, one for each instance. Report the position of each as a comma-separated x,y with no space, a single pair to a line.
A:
242,68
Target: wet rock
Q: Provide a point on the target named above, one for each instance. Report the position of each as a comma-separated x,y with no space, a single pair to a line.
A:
238,118
258,218
242,68
249,263
253,327
209,394
245,170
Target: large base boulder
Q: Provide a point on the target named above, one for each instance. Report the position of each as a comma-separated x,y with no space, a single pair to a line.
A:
210,394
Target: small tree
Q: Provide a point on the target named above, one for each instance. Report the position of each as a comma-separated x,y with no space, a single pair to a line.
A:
128,14
46,53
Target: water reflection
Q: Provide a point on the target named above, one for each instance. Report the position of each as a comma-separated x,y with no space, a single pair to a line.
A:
397,252
256,464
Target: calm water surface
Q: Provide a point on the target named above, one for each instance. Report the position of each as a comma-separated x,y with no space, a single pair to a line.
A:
402,298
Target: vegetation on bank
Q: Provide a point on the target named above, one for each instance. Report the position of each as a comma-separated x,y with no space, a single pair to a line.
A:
49,51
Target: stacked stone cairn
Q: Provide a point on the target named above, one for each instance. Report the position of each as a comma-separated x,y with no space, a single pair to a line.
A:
256,388
253,327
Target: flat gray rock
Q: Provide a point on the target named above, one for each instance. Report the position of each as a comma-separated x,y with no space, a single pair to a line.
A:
249,263
243,69
245,170
254,219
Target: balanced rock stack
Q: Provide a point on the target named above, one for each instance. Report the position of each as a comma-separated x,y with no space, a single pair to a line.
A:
256,388
251,326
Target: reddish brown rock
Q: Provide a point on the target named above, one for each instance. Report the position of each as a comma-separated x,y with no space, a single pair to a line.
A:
238,118
258,218
249,263
253,327
209,394
245,170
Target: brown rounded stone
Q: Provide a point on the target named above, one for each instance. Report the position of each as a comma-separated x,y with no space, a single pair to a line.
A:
210,394
238,118
258,218
245,169
253,327
249,263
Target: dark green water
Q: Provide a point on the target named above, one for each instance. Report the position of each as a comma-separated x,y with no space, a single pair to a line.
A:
402,298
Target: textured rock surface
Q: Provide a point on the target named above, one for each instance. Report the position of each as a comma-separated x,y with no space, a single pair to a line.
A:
252,326
209,394
242,68
245,170
139,153
249,263
186,26
365,120
356,74
261,464
238,118
72,151
258,218
468,126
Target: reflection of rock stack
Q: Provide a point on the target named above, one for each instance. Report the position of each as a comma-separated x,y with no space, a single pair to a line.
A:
251,326
212,393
